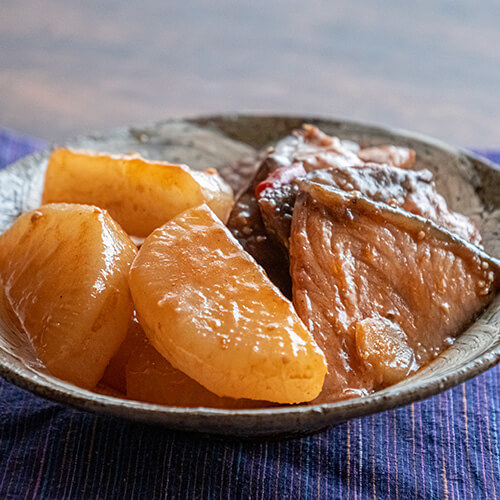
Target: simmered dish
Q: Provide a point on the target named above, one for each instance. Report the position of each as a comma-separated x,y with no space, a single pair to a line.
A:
339,270
402,288
64,269
211,311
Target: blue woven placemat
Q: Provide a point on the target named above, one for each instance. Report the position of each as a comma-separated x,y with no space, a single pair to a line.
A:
445,447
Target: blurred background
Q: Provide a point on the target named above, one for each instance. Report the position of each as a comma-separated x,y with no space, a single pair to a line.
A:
76,67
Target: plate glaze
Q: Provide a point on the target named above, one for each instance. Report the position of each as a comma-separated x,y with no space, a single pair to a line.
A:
470,184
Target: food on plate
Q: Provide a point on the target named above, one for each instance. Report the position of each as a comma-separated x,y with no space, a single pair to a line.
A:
138,371
211,311
411,190
139,194
275,197
383,291
270,194
115,375
106,390
388,155
341,271
64,270
383,345
151,378
246,224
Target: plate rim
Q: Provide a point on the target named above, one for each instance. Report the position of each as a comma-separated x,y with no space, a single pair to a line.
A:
336,412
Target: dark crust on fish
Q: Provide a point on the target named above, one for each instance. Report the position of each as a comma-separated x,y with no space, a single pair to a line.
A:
246,224
394,215
353,259
276,208
261,222
411,190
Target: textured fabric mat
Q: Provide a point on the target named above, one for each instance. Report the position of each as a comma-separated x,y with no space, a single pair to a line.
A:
445,447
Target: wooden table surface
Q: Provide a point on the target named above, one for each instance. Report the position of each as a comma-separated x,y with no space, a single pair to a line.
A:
74,67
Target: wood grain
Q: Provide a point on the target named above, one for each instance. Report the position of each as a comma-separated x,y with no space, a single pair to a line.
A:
74,67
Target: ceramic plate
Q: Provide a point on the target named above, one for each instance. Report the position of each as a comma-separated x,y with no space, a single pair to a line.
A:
470,184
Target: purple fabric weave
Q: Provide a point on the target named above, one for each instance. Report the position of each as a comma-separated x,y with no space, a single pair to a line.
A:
445,447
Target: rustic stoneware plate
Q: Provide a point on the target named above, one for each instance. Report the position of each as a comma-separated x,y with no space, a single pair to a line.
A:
470,184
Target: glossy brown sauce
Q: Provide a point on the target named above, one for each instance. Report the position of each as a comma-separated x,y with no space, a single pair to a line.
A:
383,295
381,272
